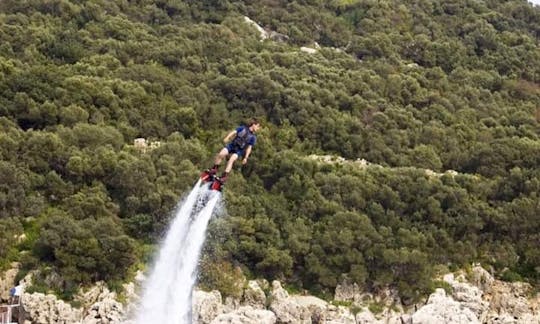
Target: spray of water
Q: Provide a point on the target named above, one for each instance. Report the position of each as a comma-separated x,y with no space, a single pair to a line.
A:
168,290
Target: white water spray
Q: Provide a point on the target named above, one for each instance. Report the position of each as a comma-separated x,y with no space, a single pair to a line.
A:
168,290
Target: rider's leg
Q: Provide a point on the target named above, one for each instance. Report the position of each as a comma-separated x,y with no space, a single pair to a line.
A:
230,164
219,157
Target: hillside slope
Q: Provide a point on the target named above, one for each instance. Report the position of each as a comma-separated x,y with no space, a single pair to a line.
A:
428,84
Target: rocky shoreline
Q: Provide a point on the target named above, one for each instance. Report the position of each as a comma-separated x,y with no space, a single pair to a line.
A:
473,297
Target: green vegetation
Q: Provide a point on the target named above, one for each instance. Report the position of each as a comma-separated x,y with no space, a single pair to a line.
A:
376,307
444,285
423,84
223,276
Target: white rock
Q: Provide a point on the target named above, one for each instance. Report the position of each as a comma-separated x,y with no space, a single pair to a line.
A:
468,295
309,301
481,278
254,296
230,304
366,317
339,315
106,311
246,315
308,50
315,306
510,300
278,293
443,309
502,319
449,278
132,298
262,33
140,277
206,306
529,319
286,309
90,296
41,308
346,291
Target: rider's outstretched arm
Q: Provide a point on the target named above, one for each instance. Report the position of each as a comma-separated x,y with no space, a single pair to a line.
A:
229,136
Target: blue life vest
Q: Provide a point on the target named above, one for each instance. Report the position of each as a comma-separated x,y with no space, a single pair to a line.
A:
243,138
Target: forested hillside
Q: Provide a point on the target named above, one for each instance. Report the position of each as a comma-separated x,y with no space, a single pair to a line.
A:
418,84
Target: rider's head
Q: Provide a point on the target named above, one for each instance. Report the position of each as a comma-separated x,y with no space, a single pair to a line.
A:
254,124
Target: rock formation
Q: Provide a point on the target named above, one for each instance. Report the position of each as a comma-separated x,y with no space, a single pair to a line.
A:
472,297
7,281
41,308
444,309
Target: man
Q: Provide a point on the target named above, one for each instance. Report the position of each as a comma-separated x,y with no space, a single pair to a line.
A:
240,143
15,294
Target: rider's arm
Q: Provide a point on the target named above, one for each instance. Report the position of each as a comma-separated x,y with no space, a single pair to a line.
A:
229,136
248,152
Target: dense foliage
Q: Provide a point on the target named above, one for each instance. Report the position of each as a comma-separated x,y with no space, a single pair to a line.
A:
410,86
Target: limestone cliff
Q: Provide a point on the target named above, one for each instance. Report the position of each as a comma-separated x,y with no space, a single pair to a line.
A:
473,297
